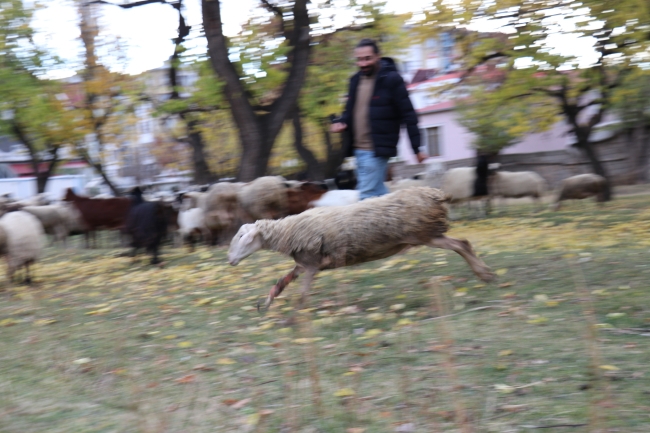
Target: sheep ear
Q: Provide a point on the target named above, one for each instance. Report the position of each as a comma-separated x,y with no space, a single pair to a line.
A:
249,236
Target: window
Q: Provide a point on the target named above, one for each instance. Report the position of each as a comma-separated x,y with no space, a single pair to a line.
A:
431,140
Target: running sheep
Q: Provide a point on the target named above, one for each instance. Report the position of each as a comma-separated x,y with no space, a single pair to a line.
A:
580,187
21,241
517,184
373,229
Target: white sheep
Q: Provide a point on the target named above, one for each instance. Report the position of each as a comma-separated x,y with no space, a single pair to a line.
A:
332,237
458,183
517,184
53,218
21,241
190,222
195,199
580,187
220,206
264,198
37,200
338,197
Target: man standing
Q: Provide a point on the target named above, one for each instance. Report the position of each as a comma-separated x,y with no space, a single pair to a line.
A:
378,104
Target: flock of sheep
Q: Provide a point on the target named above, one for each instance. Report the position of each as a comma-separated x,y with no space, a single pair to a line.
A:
319,228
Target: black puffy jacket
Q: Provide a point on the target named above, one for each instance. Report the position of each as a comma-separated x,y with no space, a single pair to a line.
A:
390,108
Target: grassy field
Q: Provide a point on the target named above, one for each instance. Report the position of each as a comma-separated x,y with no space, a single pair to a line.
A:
413,343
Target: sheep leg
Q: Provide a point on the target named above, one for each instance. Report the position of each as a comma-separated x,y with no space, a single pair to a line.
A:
464,249
306,285
279,287
28,279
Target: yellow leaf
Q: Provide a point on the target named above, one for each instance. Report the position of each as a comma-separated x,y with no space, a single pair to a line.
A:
169,337
506,389
501,271
226,361
537,320
505,353
552,303
372,333
81,361
404,322
203,301
184,344
349,373
375,316
344,392
8,322
263,343
253,419
609,367
396,307
43,322
541,298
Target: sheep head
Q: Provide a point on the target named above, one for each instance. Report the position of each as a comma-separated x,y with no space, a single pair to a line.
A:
247,240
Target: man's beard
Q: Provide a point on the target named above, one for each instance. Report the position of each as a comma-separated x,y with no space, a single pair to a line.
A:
368,70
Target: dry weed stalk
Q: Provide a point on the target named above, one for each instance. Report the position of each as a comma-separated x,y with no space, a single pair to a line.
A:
589,314
450,365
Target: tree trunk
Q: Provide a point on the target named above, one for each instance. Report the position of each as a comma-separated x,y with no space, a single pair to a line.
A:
314,168
202,173
35,161
43,177
643,140
334,152
597,166
256,147
100,169
257,132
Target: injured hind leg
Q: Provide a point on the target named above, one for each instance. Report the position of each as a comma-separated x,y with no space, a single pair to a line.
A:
280,285
464,248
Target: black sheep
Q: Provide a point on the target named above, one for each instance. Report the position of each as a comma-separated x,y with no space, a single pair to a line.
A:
146,223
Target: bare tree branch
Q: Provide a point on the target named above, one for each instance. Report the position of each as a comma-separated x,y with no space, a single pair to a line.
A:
127,5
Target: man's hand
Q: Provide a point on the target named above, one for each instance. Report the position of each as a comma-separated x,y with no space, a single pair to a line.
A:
421,156
338,127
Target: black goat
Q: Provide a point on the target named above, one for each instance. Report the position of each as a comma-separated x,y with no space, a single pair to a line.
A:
146,224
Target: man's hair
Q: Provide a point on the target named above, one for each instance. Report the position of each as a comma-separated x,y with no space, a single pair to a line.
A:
368,43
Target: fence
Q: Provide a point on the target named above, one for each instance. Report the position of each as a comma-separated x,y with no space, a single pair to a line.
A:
25,187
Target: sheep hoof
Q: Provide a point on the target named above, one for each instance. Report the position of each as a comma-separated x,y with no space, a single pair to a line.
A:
487,276
261,308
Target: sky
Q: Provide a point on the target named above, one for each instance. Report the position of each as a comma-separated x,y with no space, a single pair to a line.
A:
145,32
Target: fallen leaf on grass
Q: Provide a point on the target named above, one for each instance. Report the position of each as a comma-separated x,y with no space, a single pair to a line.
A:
512,407
240,403
344,392
501,271
44,322
203,367
540,320
188,378
226,361
609,367
355,430
184,344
